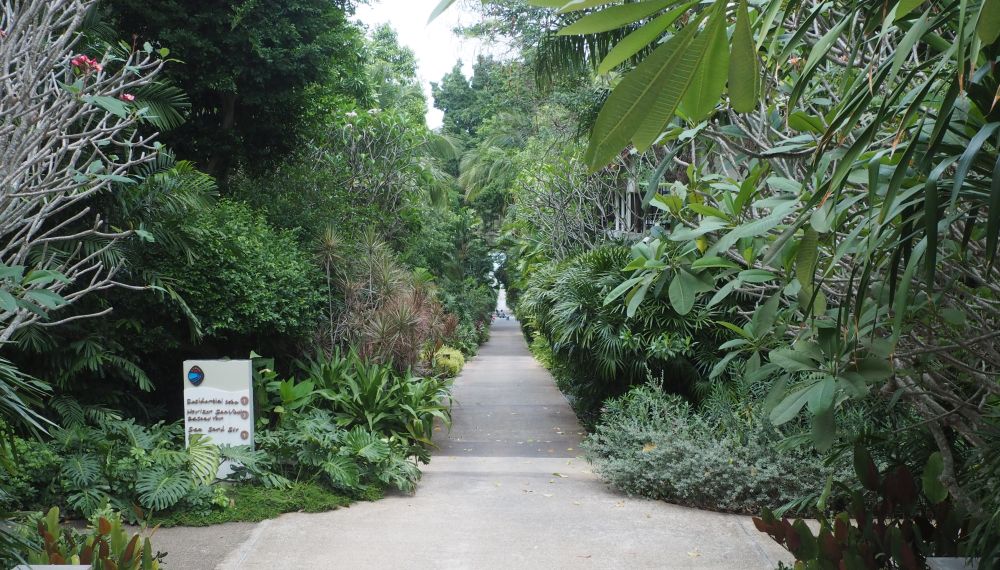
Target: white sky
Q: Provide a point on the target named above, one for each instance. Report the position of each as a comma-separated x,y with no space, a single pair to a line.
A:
436,47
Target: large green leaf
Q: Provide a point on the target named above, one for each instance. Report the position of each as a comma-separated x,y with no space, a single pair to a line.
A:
574,5
441,7
632,43
684,289
790,406
694,72
658,82
989,22
614,17
711,72
933,488
744,83
993,222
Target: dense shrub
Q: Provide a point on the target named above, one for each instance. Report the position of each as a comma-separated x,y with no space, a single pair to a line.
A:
653,444
448,361
313,446
399,407
602,351
88,466
248,279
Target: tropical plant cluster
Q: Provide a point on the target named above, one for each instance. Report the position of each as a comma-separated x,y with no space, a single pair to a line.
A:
175,188
814,186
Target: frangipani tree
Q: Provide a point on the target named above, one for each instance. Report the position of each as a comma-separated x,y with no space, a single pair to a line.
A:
68,131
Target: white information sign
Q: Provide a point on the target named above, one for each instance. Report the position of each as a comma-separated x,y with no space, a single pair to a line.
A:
218,402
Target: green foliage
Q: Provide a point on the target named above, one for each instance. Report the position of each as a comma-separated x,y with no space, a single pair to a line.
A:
600,349
654,444
448,361
106,546
311,446
375,397
909,520
248,279
248,69
253,503
134,468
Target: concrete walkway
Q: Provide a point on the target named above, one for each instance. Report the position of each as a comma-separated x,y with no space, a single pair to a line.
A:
507,489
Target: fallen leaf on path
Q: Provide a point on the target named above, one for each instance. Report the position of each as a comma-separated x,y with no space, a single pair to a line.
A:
546,494
561,475
694,553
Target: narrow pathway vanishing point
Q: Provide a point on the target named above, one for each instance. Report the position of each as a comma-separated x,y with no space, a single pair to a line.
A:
506,489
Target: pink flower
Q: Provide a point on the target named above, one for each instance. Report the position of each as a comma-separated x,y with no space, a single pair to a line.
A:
127,97
85,64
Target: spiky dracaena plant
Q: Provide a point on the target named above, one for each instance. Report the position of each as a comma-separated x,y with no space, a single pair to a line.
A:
386,311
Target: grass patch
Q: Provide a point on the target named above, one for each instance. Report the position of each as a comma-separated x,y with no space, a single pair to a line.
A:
251,503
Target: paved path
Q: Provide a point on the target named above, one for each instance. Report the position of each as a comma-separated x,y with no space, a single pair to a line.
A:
507,489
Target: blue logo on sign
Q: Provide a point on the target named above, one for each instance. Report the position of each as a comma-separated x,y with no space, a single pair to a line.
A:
196,375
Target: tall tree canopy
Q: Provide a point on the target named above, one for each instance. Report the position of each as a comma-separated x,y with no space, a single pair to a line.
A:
246,68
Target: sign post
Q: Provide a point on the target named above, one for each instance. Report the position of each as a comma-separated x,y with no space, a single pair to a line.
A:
218,403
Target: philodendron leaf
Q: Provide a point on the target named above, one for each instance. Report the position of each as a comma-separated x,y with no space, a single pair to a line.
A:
934,489
649,93
744,84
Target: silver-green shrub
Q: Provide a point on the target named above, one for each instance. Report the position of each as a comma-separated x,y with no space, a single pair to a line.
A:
653,444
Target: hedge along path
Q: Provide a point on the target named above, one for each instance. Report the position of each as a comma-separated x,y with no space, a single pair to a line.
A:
507,489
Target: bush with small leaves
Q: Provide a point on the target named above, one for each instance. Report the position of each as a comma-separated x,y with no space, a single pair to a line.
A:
448,361
653,444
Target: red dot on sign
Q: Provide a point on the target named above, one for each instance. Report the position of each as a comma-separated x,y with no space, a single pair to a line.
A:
244,435
244,400
244,415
